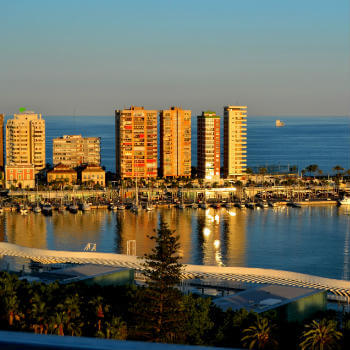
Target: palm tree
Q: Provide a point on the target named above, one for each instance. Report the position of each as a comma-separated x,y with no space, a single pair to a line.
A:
116,329
312,168
338,169
320,335
260,335
39,315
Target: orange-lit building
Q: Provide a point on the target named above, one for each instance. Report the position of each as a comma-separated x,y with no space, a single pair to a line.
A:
136,142
20,176
92,174
2,142
175,142
74,150
235,140
25,140
208,146
62,173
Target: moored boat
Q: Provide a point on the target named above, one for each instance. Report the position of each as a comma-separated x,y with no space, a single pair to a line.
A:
344,201
73,208
47,209
85,206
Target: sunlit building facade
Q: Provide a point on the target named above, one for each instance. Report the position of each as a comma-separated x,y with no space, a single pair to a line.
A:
2,142
208,146
74,150
235,144
136,142
25,140
175,142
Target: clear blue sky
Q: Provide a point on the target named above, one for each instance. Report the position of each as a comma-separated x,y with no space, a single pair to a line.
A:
280,57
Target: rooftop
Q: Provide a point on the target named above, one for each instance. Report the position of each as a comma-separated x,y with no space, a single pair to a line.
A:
264,298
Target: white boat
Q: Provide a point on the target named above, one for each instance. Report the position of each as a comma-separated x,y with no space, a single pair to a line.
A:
194,205
23,211
345,201
85,206
112,206
37,209
149,207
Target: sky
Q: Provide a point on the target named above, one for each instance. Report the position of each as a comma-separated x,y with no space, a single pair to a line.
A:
83,57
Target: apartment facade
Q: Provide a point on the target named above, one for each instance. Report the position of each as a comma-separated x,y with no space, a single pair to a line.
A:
175,142
208,146
74,150
2,163
25,140
136,142
235,144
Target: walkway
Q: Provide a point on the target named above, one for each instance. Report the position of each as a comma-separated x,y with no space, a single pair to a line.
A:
239,274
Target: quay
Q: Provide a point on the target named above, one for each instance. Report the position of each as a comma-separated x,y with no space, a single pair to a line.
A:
337,289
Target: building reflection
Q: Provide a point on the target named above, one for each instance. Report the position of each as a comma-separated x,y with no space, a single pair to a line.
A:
26,230
135,227
74,231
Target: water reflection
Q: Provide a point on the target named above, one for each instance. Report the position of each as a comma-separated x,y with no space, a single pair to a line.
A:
314,240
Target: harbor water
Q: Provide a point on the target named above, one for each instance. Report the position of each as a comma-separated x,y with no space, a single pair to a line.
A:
314,240
311,239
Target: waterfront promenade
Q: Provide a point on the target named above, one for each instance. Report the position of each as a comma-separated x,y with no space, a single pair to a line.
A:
221,273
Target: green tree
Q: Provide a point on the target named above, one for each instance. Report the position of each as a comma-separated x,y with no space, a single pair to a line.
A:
260,335
161,314
197,321
321,335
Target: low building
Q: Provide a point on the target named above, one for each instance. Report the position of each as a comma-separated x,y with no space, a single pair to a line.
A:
292,304
89,274
92,174
62,173
20,176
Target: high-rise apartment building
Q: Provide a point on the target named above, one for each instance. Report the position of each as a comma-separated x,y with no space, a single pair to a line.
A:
136,142
235,127
25,140
208,146
74,150
175,142
2,142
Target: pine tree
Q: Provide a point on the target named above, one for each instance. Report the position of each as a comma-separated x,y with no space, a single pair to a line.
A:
160,310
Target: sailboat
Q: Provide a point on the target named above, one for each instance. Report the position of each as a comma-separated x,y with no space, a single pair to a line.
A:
135,206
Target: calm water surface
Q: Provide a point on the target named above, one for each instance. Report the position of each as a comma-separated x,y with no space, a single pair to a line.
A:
314,240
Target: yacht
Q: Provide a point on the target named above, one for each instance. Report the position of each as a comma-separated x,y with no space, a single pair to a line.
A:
73,208
345,201
37,209
194,205
85,206
149,207
47,209
112,206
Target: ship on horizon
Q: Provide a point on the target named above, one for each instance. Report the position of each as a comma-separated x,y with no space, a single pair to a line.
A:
279,123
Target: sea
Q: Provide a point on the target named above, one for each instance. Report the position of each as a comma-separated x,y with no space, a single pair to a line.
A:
313,239
324,141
